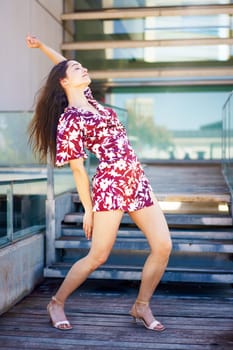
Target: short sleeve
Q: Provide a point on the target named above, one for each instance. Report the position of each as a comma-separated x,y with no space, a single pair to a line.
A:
70,138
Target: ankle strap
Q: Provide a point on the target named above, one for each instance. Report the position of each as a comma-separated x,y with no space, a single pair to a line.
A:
57,301
142,302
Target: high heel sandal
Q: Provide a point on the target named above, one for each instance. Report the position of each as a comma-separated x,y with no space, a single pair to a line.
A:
154,325
59,324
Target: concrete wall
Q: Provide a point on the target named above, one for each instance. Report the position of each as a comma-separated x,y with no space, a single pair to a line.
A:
23,69
22,73
21,269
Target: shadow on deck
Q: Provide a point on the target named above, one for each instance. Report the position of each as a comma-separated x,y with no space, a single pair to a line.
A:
196,317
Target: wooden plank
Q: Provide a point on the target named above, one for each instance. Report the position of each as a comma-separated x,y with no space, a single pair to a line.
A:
195,197
179,274
184,220
187,180
194,245
25,343
223,234
103,320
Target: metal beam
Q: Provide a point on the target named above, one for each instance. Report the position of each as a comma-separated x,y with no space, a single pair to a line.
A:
204,81
101,45
163,73
139,12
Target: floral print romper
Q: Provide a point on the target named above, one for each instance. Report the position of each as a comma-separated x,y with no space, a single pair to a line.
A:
119,182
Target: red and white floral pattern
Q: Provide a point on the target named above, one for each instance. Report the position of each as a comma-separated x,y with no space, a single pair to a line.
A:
119,182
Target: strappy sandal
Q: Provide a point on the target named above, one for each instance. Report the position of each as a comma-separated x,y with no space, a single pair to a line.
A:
153,326
59,324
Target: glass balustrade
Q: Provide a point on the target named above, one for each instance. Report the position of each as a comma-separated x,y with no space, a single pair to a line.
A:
174,123
22,205
227,140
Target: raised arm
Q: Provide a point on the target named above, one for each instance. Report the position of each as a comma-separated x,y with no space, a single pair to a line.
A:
35,43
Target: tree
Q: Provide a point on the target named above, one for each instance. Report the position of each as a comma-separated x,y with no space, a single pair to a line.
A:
142,129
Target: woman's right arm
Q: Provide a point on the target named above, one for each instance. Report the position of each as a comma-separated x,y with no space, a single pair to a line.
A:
34,43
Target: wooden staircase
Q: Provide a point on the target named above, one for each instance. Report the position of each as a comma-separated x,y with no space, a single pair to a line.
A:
202,234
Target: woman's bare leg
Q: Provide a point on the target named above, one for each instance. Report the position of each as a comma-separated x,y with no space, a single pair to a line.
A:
152,223
105,229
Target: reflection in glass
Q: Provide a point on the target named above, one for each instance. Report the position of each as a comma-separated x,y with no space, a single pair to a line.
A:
174,125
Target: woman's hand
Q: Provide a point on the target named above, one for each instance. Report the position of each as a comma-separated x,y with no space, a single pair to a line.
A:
88,223
33,42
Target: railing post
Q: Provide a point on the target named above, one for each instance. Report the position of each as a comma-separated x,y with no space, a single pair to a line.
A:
50,217
10,216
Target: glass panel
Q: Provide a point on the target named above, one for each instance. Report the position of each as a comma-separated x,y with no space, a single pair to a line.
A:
156,28
174,54
3,214
228,140
182,27
63,180
29,204
14,139
166,124
22,205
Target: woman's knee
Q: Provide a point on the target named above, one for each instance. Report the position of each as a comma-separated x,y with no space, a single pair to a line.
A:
167,245
96,260
163,246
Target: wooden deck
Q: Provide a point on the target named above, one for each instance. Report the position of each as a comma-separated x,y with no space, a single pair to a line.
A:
197,317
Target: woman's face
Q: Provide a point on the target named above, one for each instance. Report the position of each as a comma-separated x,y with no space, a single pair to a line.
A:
76,75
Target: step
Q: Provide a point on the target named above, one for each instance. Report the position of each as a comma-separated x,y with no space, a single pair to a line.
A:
182,197
134,273
186,204
132,232
182,245
174,220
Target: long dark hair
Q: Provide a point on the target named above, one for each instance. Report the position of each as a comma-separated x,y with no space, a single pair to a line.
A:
50,105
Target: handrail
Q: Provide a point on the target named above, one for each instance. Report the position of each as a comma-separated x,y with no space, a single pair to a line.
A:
18,181
227,100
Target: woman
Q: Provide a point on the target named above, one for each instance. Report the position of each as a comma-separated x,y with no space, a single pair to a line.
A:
67,121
